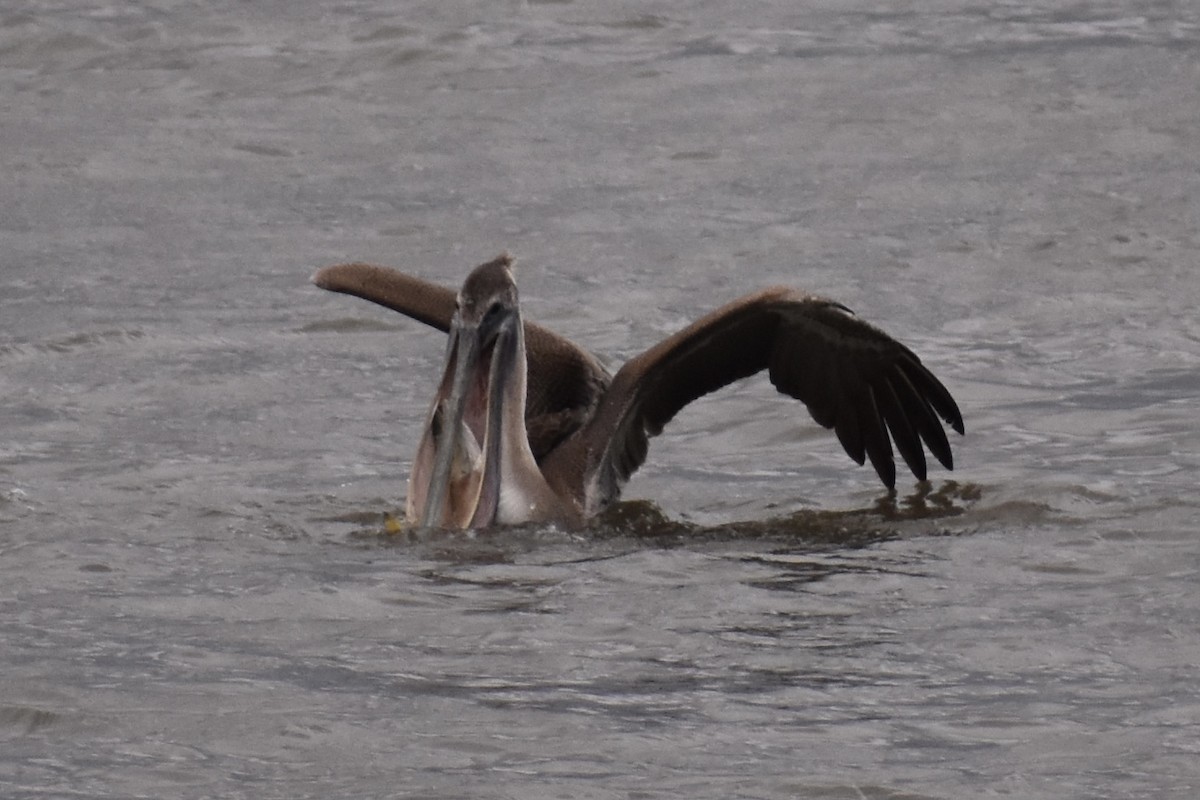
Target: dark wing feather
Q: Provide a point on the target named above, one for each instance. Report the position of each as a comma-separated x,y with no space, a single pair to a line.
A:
564,380
853,378
869,388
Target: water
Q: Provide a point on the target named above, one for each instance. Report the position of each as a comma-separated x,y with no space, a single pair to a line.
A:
197,448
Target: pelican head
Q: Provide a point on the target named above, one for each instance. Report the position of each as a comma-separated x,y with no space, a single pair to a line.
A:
477,417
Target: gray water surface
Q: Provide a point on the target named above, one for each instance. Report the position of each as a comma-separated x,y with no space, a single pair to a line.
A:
198,449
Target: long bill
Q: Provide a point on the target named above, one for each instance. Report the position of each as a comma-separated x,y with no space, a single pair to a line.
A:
507,358
464,351
468,423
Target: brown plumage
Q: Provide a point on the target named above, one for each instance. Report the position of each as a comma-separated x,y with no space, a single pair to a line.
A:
589,431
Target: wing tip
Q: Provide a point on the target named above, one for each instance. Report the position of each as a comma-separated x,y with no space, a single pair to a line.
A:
320,278
889,480
335,276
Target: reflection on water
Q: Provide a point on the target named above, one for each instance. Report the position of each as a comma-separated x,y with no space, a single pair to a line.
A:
641,524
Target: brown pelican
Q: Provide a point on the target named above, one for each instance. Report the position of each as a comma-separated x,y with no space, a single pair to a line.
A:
526,426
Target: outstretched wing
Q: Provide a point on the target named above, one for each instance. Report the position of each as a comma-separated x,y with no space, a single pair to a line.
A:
853,378
423,301
564,381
